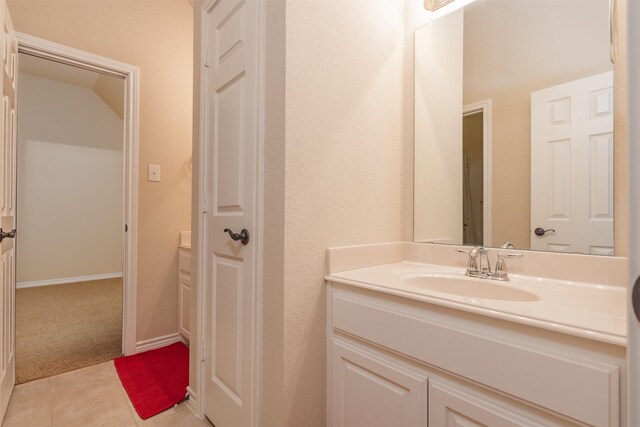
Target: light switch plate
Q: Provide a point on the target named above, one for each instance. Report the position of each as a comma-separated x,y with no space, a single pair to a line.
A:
154,173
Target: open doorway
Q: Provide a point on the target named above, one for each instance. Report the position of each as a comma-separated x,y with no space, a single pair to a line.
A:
70,252
472,171
476,173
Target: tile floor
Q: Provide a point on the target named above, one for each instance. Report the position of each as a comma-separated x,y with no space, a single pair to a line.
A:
87,397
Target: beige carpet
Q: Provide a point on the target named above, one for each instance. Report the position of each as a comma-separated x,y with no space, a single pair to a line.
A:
61,328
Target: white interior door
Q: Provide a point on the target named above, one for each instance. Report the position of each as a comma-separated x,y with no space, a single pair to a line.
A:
572,166
9,44
231,114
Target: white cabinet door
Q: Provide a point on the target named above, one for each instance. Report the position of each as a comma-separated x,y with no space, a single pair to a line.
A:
572,166
184,295
451,407
8,82
371,390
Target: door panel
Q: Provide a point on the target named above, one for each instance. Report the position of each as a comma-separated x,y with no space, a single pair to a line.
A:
7,211
572,166
372,390
231,117
227,332
450,406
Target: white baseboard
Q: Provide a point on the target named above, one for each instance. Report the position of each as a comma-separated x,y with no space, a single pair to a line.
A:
192,403
65,280
153,343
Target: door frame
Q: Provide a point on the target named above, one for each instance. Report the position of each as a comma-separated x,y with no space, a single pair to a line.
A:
197,391
66,55
484,107
633,325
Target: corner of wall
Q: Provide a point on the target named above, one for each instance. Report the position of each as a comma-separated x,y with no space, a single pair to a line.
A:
196,333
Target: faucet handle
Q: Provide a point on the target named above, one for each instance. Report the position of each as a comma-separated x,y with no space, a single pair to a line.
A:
472,266
501,266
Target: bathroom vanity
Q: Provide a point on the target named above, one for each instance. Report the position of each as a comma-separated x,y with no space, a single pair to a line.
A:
413,342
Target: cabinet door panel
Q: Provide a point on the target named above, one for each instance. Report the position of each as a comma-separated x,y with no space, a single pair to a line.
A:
185,304
452,407
371,390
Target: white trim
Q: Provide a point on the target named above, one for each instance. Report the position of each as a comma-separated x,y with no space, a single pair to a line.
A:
192,402
200,242
259,232
157,342
484,106
66,280
89,61
633,126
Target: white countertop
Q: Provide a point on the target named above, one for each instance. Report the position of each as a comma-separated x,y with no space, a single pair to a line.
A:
596,312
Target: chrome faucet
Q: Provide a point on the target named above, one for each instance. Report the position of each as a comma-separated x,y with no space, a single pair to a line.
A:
479,265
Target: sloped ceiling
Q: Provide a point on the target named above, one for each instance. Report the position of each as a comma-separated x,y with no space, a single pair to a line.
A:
109,89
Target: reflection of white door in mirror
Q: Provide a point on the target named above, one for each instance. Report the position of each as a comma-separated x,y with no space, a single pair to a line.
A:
572,166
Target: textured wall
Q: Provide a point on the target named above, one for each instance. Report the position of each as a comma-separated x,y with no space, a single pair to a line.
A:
343,166
438,131
69,182
157,37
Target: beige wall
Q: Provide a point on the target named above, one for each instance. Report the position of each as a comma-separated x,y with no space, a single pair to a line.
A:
111,90
69,181
157,37
414,18
438,131
274,221
343,162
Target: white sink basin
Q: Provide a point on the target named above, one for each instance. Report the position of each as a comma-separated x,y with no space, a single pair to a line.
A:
471,288
581,309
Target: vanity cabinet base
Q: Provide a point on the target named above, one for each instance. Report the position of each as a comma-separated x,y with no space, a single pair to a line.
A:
403,363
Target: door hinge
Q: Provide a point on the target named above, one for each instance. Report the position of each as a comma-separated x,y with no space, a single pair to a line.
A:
202,351
205,202
206,57
126,228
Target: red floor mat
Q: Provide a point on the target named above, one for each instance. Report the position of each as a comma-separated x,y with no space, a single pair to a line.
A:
155,380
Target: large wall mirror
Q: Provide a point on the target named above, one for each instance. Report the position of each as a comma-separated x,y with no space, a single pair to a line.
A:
514,126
